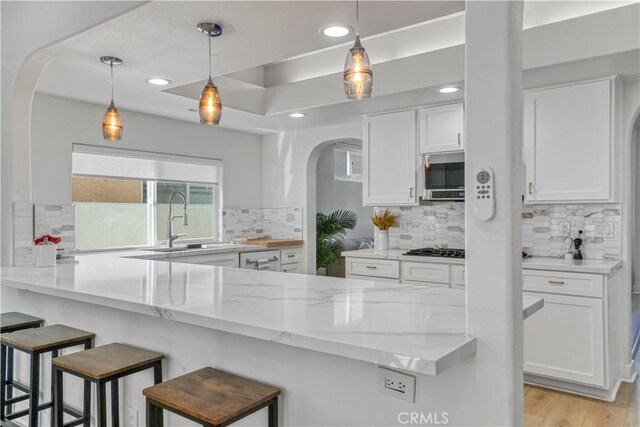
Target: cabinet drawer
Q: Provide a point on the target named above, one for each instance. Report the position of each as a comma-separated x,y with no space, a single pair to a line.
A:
290,256
588,285
566,340
373,268
425,272
458,278
219,260
291,268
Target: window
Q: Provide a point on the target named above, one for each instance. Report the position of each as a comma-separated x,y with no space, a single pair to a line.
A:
348,162
122,197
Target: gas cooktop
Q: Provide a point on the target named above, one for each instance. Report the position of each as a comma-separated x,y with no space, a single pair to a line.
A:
444,253
437,252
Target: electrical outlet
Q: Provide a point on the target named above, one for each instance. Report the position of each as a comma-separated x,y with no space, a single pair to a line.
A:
132,417
397,384
609,230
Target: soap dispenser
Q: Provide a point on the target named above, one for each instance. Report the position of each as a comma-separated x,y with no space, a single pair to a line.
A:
578,243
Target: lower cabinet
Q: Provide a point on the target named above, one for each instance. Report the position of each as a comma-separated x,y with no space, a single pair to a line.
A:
230,259
566,340
290,260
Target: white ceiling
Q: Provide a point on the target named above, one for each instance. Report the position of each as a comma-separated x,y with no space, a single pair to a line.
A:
269,52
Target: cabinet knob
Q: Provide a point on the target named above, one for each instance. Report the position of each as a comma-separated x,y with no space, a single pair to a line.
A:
411,192
531,188
459,139
371,267
556,282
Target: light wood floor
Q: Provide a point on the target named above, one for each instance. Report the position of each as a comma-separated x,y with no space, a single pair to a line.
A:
551,408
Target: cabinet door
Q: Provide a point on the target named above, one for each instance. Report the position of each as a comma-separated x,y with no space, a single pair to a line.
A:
567,135
441,128
390,159
425,272
565,340
458,279
219,260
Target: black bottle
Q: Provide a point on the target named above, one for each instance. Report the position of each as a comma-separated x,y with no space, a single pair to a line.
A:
577,243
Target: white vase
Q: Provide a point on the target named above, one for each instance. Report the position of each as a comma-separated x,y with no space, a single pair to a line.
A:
382,242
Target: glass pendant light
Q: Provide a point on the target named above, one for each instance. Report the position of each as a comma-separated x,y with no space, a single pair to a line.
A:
111,122
358,76
210,107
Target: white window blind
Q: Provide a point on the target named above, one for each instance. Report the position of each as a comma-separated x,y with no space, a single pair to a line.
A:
129,164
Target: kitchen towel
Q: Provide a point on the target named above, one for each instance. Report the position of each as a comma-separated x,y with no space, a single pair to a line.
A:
263,264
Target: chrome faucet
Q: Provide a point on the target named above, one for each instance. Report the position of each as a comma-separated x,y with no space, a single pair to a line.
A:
185,221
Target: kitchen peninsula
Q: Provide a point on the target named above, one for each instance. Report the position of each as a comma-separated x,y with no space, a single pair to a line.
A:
291,327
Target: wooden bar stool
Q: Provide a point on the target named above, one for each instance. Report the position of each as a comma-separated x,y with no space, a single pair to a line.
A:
102,365
35,342
11,322
211,397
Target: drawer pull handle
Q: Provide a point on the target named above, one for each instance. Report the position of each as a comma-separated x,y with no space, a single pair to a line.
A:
291,256
371,267
556,282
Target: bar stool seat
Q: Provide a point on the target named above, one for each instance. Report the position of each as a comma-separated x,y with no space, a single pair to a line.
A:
35,342
211,397
101,365
14,321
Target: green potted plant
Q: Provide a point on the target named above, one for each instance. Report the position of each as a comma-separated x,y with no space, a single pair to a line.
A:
328,228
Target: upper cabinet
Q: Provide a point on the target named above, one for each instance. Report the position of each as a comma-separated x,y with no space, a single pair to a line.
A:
390,159
441,128
567,143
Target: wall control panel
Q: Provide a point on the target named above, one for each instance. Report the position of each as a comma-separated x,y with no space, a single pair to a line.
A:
484,201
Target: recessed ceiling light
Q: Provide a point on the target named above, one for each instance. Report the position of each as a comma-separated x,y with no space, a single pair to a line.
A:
449,89
335,30
297,115
158,81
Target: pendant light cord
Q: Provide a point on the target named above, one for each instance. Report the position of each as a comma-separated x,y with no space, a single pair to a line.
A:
209,56
357,19
111,64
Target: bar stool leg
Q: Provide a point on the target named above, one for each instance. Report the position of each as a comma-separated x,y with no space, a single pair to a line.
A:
102,404
3,379
157,379
54,354
151,413
86,407
34,389
9,379
115,404
273,413
58,398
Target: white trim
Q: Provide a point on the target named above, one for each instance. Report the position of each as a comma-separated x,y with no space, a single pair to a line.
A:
149,155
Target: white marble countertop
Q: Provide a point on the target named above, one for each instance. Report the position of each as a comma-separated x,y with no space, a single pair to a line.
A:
597,266
412,327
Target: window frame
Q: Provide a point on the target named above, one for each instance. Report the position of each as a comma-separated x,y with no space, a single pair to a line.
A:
351,151
153,239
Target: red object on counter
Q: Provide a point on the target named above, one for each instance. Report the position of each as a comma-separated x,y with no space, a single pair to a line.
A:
49,237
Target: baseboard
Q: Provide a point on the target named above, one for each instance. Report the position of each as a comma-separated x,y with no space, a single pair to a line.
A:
573,388
628,373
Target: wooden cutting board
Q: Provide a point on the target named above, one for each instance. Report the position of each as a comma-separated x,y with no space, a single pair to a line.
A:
275,243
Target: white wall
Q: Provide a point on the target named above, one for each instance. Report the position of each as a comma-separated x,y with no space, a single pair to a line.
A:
289,161
57,123
334,194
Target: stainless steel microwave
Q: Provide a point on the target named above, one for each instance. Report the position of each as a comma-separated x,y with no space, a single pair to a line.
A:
443,181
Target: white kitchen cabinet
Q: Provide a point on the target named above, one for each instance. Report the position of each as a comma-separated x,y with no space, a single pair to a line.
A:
230,259
458,277
290,259
424,272
566,339
372,268
390,158
291,268
567,143
441,128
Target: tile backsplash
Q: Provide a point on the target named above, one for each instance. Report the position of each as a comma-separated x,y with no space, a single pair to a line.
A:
426,226
22,233
542,228
275,222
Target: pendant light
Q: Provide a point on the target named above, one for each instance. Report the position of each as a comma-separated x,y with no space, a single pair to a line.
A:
111,122
358,76
210,105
